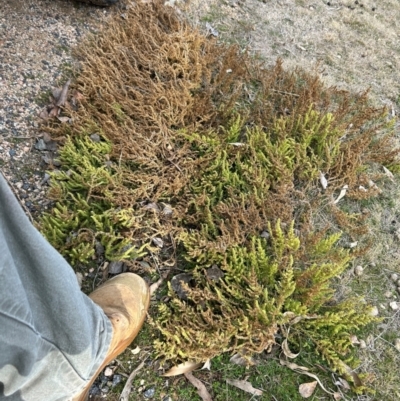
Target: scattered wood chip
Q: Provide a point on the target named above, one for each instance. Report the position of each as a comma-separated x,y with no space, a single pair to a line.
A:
183,368
201,388
306,390
245,386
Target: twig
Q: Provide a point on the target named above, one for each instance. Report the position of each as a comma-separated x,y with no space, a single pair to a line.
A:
28,213
128,385
285,93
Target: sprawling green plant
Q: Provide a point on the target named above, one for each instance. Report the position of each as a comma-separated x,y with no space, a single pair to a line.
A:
85,212
219,158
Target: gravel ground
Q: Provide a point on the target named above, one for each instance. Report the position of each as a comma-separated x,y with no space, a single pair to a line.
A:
36,38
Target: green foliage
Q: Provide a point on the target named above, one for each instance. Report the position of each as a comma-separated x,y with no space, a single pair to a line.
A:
85,211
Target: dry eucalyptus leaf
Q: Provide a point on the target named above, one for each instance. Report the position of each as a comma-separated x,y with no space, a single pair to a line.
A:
152,206
306,390
245,386
207,364
62,98
136,350
323,180
63,119
158,242
354,340
388,173
183,368
240,360
201,388
344,383
286,350
356,379
342,194
292,365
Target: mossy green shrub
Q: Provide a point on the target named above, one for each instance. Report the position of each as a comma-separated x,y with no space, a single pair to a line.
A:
212,162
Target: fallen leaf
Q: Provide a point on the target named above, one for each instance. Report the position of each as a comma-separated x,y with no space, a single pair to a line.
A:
356,379
323,180
306,390
54,112
304,371
183,368
240,360
207,364
62,98
286,350
245,386
44,114
63,119
344,383
388,173
152,206
201,388
158,242
342,194
136,350
354,340
337,396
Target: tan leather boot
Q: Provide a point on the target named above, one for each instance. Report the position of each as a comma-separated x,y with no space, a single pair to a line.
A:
125,300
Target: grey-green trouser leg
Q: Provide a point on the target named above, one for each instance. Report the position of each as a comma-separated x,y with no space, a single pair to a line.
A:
53,338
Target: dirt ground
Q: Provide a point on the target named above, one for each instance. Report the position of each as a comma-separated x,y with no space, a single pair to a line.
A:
354,45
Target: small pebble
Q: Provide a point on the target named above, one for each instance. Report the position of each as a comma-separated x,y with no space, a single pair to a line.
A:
150,392
116,380
394,305
108,372
358,270
105,389
12,152
95,137
394,277
388,294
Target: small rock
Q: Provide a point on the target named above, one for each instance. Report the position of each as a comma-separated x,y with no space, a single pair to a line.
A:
394,277
397,344
358,270
374,311
214,273
105,389
94,390
12,152
95,137
388,294
116,380
45,179
394,305
40,144
108,372
167,398
158,242
116,267
265,234
398,283
150,392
